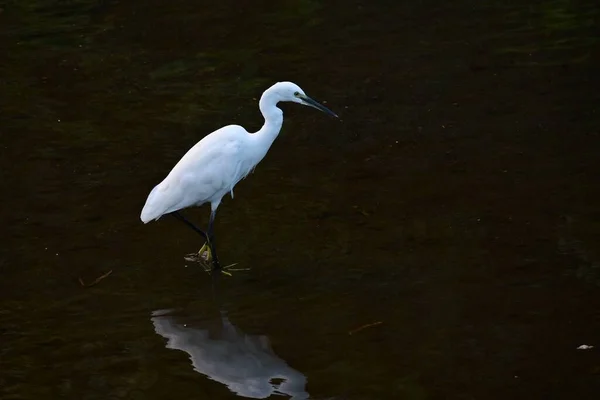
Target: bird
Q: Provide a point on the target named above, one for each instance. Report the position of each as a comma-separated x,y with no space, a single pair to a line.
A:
213,166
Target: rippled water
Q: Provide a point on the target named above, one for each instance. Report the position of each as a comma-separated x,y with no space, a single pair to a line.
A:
441,241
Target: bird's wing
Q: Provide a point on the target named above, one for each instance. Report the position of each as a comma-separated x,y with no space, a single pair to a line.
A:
205,173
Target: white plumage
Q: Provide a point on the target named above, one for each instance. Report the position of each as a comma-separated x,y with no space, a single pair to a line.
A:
220,160
213,167
206,173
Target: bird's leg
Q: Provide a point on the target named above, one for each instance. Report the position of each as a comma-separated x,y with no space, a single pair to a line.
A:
209,247
208,252
211,241
204,248
212,250
205,251
180,217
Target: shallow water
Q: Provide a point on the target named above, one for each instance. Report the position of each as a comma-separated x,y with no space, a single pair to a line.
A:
440,241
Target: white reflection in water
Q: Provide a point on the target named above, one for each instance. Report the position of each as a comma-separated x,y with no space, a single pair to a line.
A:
245,364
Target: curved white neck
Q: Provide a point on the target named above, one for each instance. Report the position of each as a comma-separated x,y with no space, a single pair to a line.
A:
273,121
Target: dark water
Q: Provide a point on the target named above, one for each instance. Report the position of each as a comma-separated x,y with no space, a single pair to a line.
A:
455,207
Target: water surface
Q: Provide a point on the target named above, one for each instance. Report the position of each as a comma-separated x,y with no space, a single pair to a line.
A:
441,241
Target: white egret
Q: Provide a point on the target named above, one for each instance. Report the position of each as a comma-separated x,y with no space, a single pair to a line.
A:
212,167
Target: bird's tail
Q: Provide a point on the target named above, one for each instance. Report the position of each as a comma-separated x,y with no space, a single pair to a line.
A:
152,209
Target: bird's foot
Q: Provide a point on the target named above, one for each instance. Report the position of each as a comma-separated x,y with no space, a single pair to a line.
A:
209,268
226,270
204,258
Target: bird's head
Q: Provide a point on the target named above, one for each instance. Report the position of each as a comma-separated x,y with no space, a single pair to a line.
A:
289,91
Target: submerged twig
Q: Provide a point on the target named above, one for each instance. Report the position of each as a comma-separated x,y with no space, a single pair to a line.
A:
96,281
360,328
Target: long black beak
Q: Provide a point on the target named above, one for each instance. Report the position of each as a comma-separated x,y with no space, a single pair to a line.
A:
312,103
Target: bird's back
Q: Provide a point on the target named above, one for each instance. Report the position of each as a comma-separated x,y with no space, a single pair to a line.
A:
204,174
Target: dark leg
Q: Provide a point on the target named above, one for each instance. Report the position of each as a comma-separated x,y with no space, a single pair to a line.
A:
209,237
180,217
211,241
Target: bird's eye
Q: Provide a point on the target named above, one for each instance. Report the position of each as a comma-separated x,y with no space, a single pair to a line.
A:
296,94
